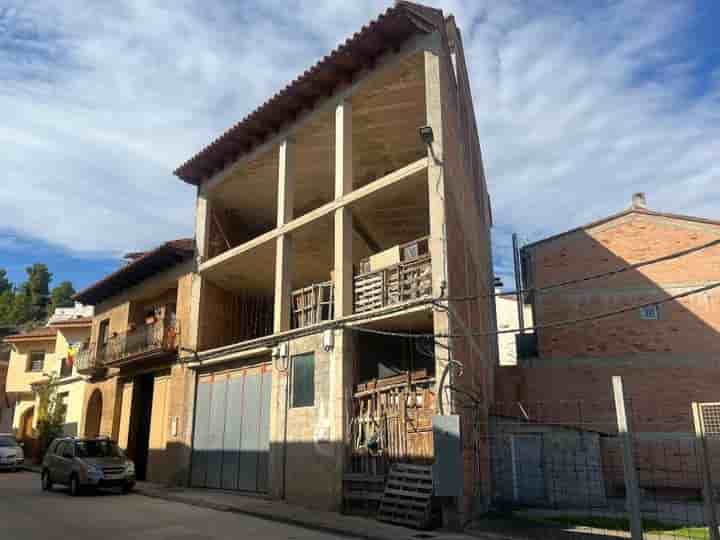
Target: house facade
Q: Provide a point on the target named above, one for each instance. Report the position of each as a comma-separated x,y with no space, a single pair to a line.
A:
36,354
135,383
332,225
334,228
667,352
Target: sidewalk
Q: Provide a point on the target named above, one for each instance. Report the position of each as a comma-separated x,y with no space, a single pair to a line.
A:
328,522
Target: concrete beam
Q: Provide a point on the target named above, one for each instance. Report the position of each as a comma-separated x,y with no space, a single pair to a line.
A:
324,210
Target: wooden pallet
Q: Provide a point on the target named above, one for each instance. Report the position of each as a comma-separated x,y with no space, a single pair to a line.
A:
408,496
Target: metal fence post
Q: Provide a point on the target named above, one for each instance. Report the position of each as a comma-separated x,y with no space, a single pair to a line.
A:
708,495
632,489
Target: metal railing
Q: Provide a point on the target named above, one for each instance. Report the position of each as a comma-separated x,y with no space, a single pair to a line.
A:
137,342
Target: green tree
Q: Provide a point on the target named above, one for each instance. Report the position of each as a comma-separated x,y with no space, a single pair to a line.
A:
7,306
5,284
50,413
22,308
61,296
37,289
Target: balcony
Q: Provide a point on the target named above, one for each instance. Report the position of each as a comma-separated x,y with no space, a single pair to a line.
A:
142,342
384,282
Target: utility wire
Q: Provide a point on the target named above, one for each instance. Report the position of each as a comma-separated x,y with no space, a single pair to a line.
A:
541,326
591,277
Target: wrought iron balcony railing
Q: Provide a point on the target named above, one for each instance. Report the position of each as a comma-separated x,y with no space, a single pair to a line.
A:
134,344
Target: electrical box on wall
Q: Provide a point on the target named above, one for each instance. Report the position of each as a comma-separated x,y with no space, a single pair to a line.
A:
448,467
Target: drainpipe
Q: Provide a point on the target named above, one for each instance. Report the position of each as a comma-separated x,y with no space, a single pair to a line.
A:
518,283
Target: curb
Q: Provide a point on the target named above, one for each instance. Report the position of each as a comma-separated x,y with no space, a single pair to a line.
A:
262,515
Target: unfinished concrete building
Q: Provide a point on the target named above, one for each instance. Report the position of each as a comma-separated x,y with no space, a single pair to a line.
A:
330,230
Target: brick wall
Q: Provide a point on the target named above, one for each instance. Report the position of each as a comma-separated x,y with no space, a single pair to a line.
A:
689,325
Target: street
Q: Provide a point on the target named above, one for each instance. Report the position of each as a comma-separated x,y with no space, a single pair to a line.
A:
27,513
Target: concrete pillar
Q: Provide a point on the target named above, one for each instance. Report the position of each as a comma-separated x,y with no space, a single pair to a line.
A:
202,234
283,254
436,197
343,216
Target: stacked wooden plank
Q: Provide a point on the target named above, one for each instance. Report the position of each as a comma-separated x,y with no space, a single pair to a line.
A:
407,499
312,304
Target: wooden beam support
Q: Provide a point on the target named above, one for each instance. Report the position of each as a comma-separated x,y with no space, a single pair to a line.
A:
343,215
324,210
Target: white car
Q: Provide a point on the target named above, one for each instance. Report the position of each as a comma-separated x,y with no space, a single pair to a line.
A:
11,453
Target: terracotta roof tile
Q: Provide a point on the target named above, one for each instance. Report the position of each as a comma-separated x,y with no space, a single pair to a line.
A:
389,30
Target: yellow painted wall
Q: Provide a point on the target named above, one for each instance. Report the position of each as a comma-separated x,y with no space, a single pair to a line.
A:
20,408
18,378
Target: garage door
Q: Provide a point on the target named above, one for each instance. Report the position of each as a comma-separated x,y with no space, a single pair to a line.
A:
232,426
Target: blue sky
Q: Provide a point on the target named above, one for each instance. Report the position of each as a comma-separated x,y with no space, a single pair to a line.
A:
579,104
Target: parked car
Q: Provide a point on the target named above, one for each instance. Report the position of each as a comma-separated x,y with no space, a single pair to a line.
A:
82,463
11,452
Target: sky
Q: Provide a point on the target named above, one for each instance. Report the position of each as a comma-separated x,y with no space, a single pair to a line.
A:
579,104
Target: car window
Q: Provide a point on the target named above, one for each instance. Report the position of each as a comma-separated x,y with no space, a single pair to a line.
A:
62,449
6,441
97,449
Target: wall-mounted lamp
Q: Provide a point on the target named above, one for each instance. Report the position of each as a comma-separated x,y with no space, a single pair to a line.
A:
427,135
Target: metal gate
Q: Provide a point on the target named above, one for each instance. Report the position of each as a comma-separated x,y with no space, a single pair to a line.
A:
528,473
232,426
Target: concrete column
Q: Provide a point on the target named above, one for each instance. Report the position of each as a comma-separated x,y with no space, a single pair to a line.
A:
283,253
203,208
436,197
343,216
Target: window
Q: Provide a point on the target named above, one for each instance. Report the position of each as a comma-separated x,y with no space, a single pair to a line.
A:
97,449
303,380
36,361
650,313
65,368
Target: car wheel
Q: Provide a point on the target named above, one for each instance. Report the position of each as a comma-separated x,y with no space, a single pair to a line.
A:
74,485
46,482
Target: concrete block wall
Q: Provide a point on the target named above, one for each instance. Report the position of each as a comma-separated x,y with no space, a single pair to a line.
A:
311,447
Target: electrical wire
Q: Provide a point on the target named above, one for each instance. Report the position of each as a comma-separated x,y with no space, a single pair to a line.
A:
542,326
591,277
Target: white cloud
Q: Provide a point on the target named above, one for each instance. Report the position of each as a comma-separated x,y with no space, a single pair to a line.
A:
577,107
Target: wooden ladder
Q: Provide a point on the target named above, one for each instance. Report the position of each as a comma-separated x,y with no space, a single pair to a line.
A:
407,499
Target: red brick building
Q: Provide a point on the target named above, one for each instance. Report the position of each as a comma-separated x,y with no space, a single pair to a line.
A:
668,354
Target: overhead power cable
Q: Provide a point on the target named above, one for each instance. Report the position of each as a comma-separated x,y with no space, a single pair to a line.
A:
609,273
542,326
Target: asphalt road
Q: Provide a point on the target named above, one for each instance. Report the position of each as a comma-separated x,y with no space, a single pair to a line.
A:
28,513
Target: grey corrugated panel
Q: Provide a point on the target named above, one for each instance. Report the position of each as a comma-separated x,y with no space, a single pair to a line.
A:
250,445
264,435
217,429
200,437
232,439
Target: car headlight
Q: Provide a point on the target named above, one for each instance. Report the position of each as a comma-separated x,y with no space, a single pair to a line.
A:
129,467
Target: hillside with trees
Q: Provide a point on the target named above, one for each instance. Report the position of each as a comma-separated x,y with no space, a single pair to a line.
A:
30,303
